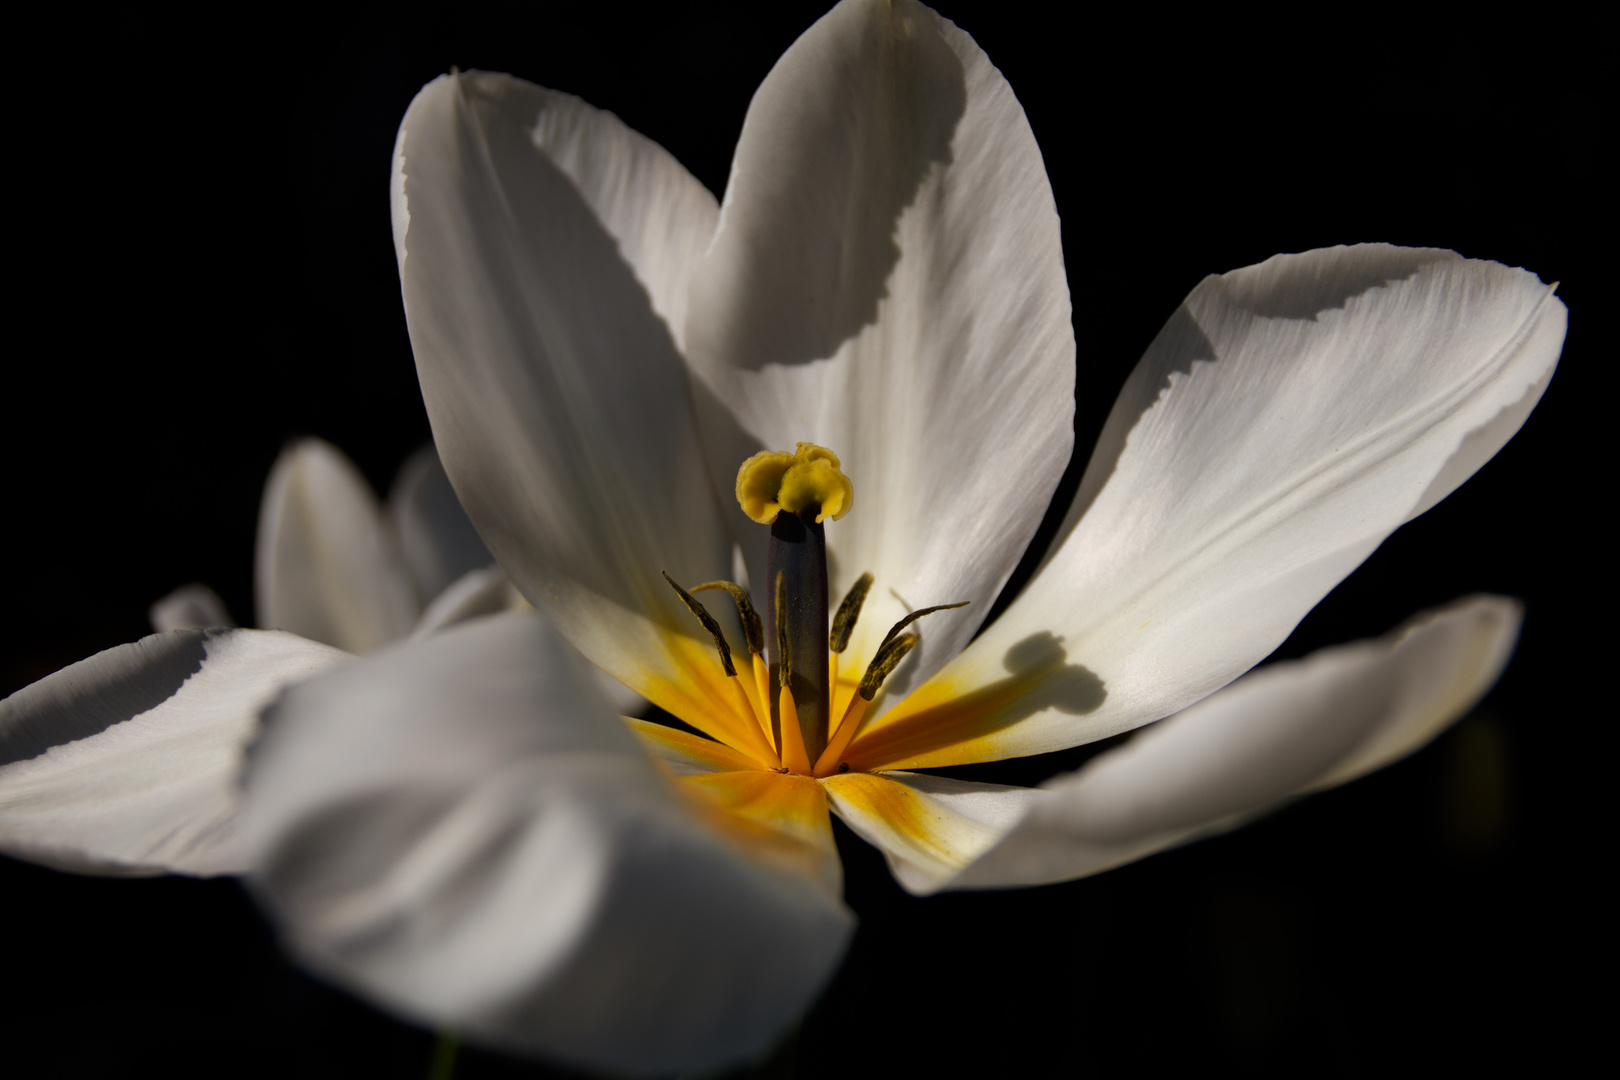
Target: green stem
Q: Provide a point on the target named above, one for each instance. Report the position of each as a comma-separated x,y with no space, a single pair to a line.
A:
443,1066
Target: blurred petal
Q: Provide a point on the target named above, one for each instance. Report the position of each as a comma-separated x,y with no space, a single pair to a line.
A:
1289,417
1283,731
539,241
779,816
326,566
460,829
435,535
928,827
488,592
888,281
484,591
190,607
128,762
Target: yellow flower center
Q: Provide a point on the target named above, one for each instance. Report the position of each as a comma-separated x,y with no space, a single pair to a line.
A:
794,694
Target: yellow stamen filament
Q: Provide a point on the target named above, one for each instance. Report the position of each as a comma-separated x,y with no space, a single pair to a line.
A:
749,708
827,764
794,755
761,698
832,683
809,478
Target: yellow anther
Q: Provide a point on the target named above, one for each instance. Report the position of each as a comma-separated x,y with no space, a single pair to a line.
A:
810,477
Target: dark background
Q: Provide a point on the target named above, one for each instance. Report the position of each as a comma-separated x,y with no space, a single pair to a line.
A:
202,269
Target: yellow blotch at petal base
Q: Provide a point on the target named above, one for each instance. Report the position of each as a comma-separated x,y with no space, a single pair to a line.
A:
705,697
924,830
684,754
774,480
942,724
776,817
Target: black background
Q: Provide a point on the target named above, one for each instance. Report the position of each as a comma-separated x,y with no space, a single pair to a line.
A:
202,269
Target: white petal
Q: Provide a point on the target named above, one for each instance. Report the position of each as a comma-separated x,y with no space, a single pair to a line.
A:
1288,418
128,762
190,607
327,566
888,281
928,827
488,592
460,829
539,240
435,535
484,591
1283,731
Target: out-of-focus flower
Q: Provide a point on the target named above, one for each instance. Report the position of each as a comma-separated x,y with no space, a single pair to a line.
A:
336,566
130,762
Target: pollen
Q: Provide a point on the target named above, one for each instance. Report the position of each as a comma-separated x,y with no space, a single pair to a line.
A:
810,478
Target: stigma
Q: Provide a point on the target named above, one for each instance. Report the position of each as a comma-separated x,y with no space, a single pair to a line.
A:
809,479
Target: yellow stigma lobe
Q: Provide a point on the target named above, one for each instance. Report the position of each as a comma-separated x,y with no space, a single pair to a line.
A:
810,477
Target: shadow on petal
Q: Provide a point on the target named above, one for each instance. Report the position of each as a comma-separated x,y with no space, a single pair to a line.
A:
1040,679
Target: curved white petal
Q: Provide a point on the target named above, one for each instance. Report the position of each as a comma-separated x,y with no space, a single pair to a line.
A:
1283,731
538,242
888,281
484,591
929,828
190,607
487,591
128,762
437,539
461,829
1288,418
327,567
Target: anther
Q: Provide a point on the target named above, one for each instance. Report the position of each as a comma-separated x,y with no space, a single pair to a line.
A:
914,616
753,629
887,659
843,623
708,622
894,649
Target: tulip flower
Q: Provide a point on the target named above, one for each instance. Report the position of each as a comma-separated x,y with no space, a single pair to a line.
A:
459,827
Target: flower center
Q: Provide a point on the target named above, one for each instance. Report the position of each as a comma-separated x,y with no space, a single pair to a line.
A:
795,654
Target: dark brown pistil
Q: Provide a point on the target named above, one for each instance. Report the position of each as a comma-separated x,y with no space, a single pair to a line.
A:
797,556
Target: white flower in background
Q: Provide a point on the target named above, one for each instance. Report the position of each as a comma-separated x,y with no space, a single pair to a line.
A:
105,767
460,828
334,565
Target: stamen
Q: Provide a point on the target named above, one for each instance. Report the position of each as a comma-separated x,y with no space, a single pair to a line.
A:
762,689
887,659
794,755
744,698
913,617
757,696
844,620
882,664
753,629
708,622
828,762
